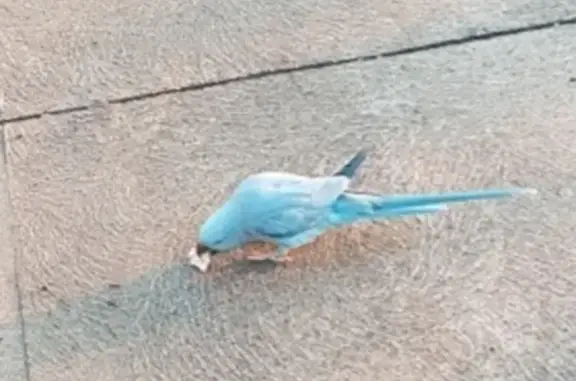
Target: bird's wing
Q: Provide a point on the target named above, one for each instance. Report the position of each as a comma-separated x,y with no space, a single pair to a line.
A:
281,206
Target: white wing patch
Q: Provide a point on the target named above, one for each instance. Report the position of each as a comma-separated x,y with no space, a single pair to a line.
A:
329,190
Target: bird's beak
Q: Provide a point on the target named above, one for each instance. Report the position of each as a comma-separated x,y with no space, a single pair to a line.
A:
200,257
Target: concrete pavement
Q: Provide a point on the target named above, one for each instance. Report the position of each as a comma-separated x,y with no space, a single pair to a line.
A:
104,203
71,53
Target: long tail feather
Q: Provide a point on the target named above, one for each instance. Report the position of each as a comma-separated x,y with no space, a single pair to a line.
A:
351,207
409,210
352,214
426,199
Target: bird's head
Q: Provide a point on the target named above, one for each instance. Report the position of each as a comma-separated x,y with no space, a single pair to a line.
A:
218,234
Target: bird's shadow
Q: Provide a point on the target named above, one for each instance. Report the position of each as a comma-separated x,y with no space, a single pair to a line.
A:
244,267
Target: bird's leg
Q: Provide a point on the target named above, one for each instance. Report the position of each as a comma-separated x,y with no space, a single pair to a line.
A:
279,256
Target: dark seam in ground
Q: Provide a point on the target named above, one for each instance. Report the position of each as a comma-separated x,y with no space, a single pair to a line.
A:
306,67
17,288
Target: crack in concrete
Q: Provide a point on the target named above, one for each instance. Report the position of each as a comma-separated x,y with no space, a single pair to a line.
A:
305,67
17,288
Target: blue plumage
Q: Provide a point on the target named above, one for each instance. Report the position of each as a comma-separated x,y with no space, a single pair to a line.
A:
291,210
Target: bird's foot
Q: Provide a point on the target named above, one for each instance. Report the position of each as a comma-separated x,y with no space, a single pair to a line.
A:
285,259
270,257
258,258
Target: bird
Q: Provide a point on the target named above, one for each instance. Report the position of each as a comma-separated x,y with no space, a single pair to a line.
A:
291,210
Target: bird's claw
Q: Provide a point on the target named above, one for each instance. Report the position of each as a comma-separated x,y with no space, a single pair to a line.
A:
273,258
281,259
257,258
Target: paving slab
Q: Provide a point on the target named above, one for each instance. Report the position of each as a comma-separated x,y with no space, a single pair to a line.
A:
107,202
70,53
11,338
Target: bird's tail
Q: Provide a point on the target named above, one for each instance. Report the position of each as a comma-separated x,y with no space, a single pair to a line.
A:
350,168
352,207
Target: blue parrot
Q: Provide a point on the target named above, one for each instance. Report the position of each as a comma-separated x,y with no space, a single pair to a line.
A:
290,210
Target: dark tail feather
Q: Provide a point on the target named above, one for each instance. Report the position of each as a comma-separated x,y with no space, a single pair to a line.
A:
350,168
